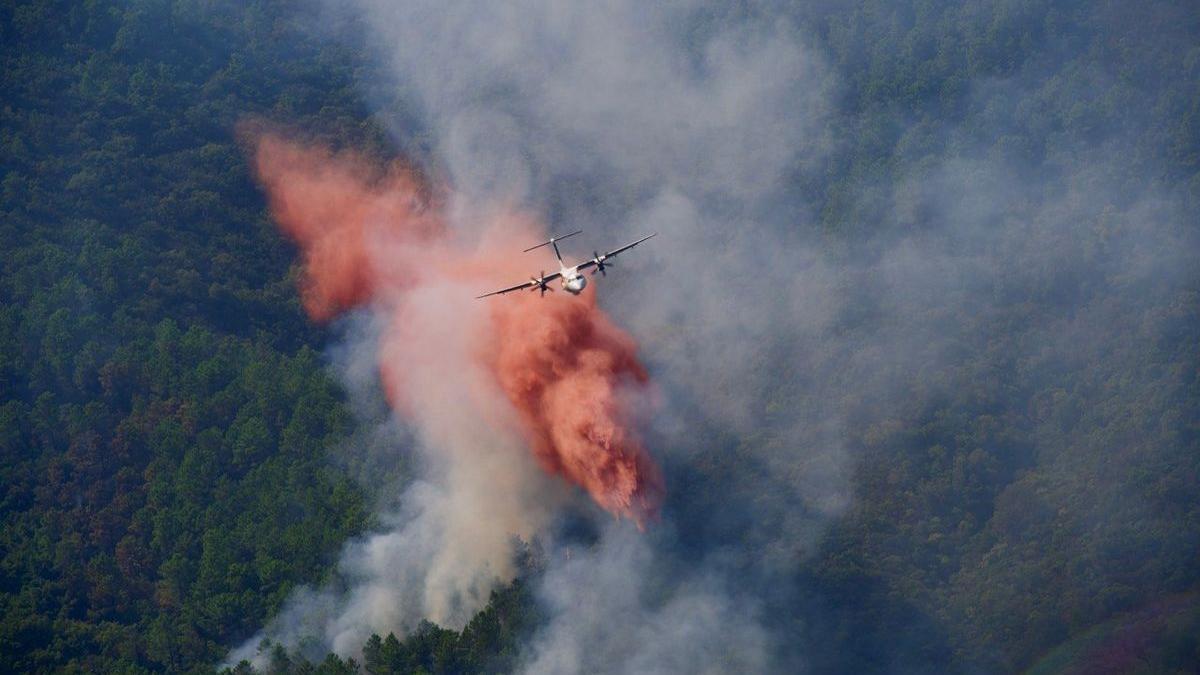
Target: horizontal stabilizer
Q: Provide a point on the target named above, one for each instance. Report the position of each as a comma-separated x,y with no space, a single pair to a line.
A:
551,240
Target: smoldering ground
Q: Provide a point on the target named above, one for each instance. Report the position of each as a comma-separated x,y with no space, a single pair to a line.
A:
787,355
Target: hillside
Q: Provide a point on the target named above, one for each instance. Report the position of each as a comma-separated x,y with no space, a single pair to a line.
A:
963,369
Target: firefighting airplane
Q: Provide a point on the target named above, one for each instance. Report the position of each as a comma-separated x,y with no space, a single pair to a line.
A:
571,280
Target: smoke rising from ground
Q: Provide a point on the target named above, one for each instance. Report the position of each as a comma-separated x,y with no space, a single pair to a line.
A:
617,120
785,353
491,390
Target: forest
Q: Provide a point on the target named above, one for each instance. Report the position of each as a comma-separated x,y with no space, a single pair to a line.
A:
169,424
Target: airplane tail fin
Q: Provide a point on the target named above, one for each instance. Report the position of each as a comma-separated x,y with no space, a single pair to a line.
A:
551,241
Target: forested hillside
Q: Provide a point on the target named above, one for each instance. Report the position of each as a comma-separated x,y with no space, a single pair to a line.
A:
1025,482
165,418
1042,474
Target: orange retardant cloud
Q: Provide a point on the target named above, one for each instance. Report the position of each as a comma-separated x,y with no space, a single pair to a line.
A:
372,234
337,208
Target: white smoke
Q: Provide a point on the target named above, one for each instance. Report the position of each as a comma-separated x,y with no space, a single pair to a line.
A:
616,118
621,119
692,119
451,539
613,609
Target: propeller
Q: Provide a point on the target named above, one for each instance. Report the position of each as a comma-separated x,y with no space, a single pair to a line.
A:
600,264
541,283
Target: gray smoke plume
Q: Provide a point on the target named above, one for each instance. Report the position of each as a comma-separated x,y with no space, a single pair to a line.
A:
524,103
784,352
449,539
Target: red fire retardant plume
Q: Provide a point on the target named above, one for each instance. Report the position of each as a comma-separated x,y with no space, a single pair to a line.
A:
370,234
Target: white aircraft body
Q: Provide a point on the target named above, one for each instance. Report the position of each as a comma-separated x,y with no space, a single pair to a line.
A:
569,277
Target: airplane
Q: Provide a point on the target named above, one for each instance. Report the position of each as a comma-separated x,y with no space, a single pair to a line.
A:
570,278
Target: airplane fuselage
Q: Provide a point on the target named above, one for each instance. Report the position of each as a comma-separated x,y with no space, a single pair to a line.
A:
572,281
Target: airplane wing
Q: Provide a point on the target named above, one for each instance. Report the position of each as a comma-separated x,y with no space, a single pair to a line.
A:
532,283
606,256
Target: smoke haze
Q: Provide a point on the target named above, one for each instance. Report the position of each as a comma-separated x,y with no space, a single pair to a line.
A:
785,356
